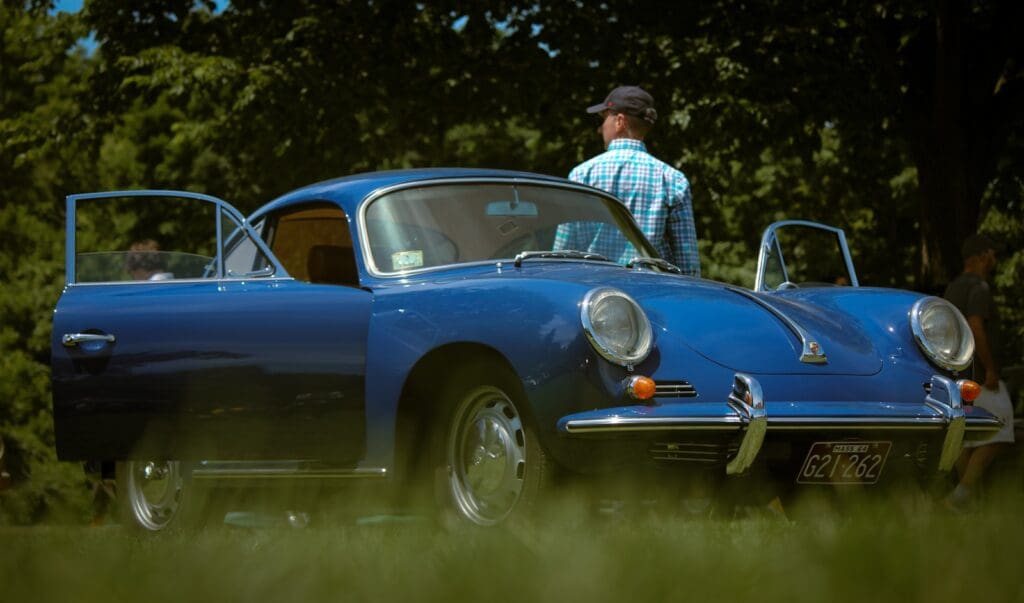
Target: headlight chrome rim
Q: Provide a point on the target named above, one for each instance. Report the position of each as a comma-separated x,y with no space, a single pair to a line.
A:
645,337
929,347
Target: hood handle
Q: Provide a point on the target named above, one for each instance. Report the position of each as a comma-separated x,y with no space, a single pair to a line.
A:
812,352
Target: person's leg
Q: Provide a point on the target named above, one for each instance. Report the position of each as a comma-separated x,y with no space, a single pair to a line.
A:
978,463
971,468
963,462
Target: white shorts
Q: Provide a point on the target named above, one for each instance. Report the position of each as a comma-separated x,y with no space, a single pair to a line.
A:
997,403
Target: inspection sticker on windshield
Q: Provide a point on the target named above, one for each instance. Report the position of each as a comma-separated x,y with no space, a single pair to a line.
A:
844,463
405,260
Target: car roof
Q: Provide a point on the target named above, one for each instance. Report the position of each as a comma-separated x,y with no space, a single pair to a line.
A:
349,191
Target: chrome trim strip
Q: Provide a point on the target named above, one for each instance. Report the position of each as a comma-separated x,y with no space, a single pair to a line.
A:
715,446
748,399
220,242
248,470
625,424
512,181
769,236
778,424
812,352
983,424
855,427
902,423
953,410
229,279
733,422
682,389
69,239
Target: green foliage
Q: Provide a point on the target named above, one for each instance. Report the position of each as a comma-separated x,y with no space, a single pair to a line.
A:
44,151
856,115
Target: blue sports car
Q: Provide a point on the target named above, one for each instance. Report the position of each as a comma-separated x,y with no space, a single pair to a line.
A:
428,326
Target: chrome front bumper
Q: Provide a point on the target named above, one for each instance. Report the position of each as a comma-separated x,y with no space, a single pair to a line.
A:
745,413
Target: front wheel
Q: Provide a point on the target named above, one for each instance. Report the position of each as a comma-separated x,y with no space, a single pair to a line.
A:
490,465
154,495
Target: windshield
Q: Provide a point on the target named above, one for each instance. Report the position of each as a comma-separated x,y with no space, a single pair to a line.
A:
459,223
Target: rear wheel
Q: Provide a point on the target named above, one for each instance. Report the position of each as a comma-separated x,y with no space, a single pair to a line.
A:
489,464
155,495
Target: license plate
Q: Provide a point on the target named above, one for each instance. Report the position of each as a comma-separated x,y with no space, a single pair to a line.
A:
844,463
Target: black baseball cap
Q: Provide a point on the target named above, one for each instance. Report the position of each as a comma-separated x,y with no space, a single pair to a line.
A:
631,100
977,244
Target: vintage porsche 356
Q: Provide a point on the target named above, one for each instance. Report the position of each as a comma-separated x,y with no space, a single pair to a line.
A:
427,323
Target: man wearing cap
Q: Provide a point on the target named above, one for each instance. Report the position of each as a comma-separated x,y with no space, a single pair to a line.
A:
657,194
971,294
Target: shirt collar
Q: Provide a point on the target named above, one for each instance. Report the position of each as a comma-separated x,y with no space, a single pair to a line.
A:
628,144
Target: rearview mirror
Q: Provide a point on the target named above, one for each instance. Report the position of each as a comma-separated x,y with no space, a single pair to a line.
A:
508,209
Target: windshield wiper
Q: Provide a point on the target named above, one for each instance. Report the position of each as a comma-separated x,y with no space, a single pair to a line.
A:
565,253
657,262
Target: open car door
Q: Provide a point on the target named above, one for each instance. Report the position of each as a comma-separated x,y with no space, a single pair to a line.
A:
180,336
796,253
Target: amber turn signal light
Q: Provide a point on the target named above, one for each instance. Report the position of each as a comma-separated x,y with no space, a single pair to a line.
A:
640,388
969,390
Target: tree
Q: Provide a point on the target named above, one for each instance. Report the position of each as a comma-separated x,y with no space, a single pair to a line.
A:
44,153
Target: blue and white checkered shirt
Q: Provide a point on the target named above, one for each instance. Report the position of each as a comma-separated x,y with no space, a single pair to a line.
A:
657,194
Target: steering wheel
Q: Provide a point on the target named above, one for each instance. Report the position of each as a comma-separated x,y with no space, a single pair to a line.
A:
526,242
787,285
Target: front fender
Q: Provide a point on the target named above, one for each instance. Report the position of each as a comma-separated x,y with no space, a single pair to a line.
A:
535,327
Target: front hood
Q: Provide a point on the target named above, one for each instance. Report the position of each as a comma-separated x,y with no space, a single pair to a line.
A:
740,333
729,328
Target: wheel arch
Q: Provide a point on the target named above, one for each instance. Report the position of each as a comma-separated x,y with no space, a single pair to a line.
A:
418,406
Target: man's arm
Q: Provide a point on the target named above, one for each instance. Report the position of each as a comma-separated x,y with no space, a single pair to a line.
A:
983,352
681,231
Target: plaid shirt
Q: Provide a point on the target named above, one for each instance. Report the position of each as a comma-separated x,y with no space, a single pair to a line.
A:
657,195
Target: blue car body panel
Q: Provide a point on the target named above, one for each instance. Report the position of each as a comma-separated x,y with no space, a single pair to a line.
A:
213,370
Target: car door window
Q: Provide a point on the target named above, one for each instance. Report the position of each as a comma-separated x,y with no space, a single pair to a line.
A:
144,239
314,244
242,258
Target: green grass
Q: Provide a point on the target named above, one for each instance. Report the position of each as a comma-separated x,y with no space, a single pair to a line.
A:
897,550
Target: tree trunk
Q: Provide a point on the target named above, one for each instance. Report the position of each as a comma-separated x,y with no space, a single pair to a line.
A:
949,207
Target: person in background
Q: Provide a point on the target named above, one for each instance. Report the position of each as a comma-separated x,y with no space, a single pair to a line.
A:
657,194
5,475
971,294
144,262
104,495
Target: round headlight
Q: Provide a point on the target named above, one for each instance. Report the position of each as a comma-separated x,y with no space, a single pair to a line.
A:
616,326
942,333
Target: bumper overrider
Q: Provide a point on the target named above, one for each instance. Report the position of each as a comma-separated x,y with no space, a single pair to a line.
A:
746,415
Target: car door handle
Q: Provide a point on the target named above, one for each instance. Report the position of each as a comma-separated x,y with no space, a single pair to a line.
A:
71,340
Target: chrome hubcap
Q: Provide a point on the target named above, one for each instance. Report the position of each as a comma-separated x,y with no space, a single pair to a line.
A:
486,456
154,492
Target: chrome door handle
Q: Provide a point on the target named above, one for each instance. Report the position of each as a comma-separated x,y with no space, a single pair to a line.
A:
71,340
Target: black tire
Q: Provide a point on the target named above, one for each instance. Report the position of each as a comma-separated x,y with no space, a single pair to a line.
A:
158,496
489,467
